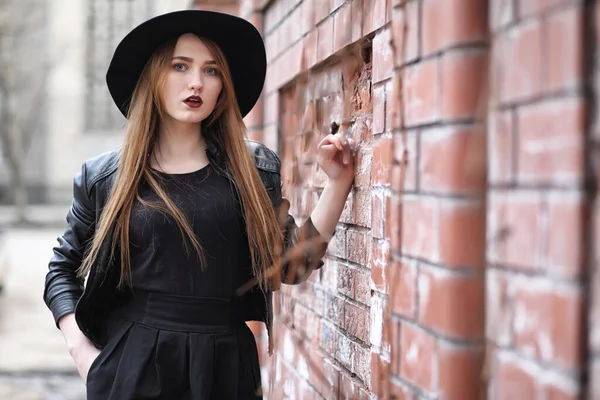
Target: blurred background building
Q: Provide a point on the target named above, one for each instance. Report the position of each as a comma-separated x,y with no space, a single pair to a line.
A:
54,61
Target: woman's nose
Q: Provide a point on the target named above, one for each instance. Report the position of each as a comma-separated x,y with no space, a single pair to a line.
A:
196,83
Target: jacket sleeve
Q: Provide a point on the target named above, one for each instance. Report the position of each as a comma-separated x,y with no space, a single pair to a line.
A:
304,247
62,287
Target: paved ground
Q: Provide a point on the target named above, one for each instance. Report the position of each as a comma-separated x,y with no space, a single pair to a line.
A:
34,363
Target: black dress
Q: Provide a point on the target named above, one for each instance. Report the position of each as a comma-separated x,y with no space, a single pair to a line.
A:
180,337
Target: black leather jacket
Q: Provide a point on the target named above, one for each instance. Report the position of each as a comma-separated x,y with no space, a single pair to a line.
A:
94,300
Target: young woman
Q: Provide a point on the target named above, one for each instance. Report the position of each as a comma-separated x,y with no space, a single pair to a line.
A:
166,230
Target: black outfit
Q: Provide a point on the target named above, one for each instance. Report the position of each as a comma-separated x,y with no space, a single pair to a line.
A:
181,335
94,303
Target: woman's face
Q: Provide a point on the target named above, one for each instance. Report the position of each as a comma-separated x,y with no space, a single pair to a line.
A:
193,82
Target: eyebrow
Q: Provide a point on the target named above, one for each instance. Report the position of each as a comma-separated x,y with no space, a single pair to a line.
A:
188,59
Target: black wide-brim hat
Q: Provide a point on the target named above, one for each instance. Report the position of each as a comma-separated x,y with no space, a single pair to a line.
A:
238,39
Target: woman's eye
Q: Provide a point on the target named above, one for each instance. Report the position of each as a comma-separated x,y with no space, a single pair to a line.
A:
211,71
179,67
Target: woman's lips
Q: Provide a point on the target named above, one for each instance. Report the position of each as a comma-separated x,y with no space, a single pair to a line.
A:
193,101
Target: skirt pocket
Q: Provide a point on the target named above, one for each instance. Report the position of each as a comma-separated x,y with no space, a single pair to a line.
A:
113,342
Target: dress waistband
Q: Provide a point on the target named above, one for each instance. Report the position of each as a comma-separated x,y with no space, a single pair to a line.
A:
180,313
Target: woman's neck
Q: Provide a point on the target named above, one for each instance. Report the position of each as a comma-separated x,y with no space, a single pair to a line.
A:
180,148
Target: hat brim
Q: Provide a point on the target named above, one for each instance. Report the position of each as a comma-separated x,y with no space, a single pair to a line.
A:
238,39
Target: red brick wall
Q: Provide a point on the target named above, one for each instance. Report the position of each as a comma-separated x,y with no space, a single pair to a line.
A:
459,267
537,209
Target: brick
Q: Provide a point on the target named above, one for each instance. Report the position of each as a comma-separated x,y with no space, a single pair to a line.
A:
499,310
322,9
463,80
500,147
418,360
284,39
514,231
294,28
309,50
330,383
403,288
548,322
383,56
453,160
402,392
391,342
405,32
342,27
380,257
327,337
462,234
566,216
404,176
337,245
329,276
361,362
565,56
357,18
421,94
383,152
307,22
393,228
271,108
356,321
367,16
362,286
349,387
447,23
379,98
358,246
345,281
420,222
380,375
514,380
459,372
528,8
551,142
451,303
271,47
379,15
378,219
363,162
325,43
519,51
357,210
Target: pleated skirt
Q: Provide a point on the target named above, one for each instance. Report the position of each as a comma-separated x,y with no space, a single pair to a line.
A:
172,347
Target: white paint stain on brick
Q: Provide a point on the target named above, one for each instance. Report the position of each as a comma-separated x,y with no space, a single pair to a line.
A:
532,321
543,377
381,263
376,331
344,350
303,367
288,347
412,354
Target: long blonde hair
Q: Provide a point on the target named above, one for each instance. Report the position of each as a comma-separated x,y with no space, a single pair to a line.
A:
226,128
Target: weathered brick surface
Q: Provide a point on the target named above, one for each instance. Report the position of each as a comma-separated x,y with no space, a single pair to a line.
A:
537,204
459,268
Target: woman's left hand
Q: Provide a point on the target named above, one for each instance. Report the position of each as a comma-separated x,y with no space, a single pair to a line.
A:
336,158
